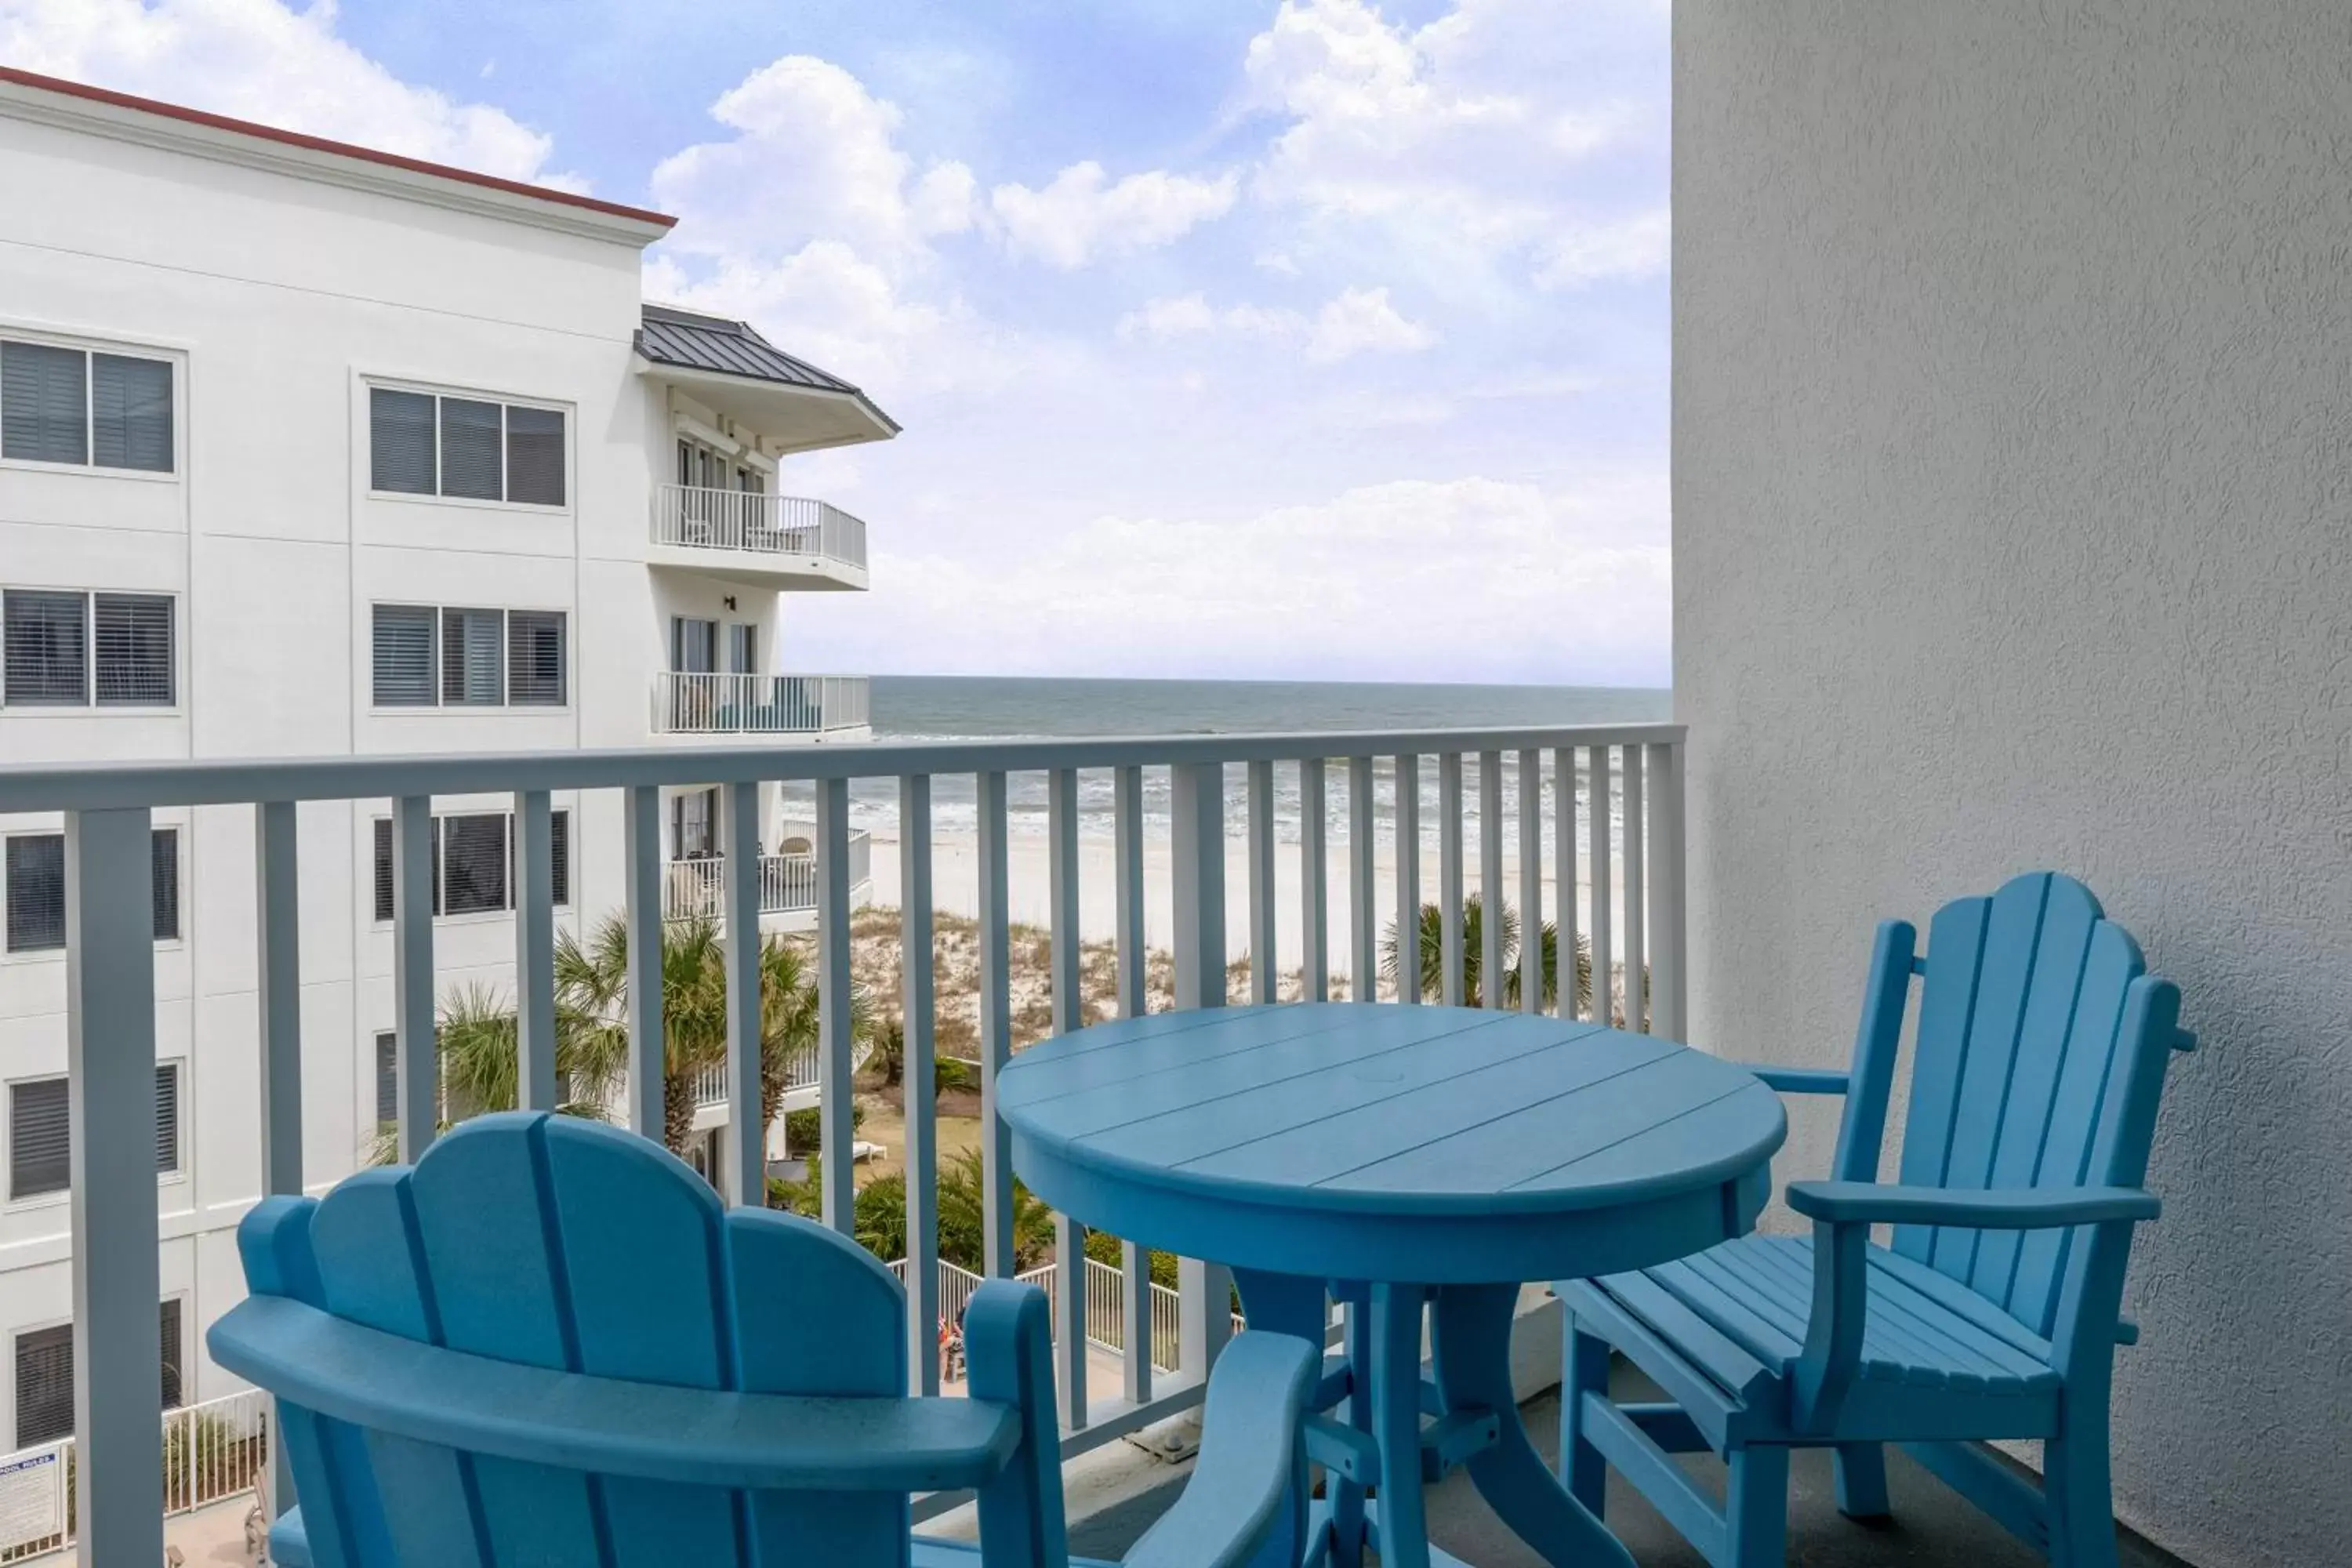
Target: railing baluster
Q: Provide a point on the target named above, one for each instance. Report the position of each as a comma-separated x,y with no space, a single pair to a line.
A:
1564,842
1531,895
1408,878
1363,895
1314,886
1450,913
416,1051
647,897
1667,975
837,1020
1491,986
1264,969
995,1028
746,1166
1197,795
1127,829
1637,1017
111,1060
920,1080
278,888
1069,1013
534,951
1597,815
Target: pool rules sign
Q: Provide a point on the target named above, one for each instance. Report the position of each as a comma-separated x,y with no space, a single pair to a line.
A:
31,1493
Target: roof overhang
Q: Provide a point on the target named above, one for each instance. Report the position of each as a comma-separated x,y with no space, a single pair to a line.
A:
790,418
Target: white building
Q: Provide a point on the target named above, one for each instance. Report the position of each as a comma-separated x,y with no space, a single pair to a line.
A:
306,449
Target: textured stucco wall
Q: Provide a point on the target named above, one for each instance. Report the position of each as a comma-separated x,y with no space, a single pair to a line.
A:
2012,526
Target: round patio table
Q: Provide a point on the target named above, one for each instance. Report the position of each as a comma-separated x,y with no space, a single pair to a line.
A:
1398,1157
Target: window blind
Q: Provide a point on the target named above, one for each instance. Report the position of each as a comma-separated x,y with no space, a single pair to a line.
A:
559,837
535,662
47,649
473,658
382,868
175,1381
167,1116
164,847
132,650
474,864
41,1157
404,656
130,412
44,1391
471,463
535,456
400,441
44,404
387,1077
35,869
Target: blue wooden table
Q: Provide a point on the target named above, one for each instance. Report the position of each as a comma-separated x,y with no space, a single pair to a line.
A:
1397,1158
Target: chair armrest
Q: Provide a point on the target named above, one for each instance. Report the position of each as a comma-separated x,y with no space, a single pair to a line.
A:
1799,1080
606,1425
1999,1209
1253,1464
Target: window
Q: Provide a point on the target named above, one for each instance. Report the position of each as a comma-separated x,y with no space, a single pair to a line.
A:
34,868
473,863
387,1077
693,645
457,657
743,648
467,448
45,1377
85,409
71,650
165,849
41,1146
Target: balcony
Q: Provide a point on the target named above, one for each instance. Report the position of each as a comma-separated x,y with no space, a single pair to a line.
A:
1611,794
696,889
811,707
761,541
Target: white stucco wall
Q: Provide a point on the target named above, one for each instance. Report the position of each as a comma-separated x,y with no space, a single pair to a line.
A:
2013,528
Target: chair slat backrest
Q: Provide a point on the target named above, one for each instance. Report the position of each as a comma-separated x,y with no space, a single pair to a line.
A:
553,1243
2034,1023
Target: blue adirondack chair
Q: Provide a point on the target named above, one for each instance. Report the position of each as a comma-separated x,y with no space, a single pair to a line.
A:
549,1343
2040,1055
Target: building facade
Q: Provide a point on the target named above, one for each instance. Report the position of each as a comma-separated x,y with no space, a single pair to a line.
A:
306,450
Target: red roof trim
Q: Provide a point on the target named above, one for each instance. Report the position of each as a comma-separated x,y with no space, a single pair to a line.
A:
321,144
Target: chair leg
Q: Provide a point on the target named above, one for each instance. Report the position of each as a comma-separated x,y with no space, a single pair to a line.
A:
1862,1480
1584,1366
1756,1506
2081,1502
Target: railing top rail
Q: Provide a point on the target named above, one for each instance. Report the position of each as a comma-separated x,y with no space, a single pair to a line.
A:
50,787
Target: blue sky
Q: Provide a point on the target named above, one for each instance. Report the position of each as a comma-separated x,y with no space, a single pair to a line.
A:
1253,337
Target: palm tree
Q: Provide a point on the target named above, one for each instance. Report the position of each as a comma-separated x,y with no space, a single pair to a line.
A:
1431,946
476,1040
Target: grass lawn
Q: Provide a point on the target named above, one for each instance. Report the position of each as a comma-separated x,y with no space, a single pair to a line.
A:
886,1124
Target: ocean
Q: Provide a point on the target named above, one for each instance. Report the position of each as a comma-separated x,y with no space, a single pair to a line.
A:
914,708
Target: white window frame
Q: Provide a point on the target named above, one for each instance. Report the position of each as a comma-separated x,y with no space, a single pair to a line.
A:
558,807
437,391
441,706
126,348
185,850
177,1175
175,708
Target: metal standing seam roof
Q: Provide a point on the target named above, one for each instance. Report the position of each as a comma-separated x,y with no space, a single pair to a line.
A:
695,341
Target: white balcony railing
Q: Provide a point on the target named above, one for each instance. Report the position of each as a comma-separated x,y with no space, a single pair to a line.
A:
696,890
1597,816
693,517
688,704
212,1452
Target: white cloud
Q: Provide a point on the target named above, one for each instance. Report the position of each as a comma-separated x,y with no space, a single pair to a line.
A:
814,157
258,60
1361,320
1452,141
1353,322
1082,216
1233,593
1630,250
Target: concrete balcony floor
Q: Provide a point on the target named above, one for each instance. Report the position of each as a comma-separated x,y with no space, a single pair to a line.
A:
1932,1528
